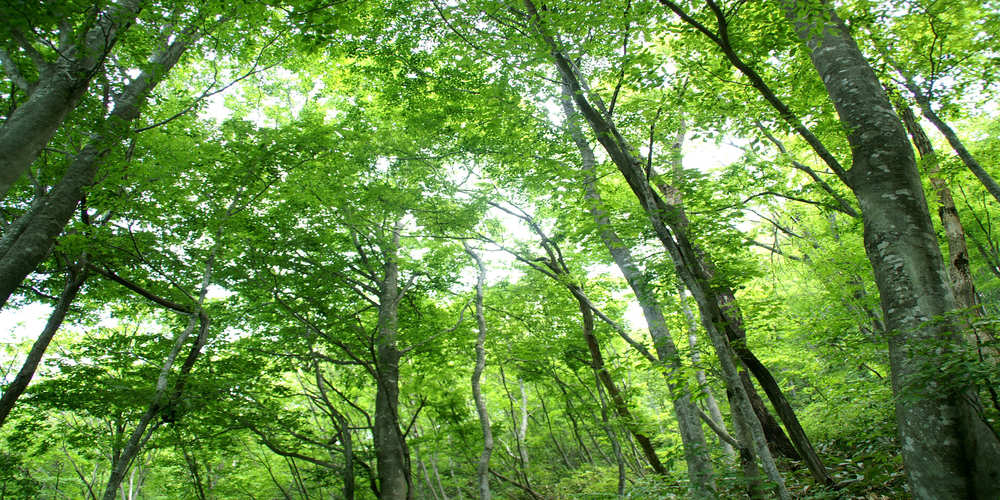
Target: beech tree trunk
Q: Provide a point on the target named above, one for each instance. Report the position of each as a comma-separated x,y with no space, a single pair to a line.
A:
162,405
715,414
60,86
956,143
699,464
39,227
74,282
391,453
948,450
29,239
483,469
617,400
958,252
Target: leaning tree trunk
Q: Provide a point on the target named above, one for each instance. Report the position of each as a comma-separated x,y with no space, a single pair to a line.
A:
699,463
28,240
391,453
42,224
970,161
948,450
77,275
617,399
714,413
60,86
162,405
681,252
483,469
962,285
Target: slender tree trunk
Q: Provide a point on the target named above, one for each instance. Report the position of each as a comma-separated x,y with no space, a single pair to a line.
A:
162,404
552,436
571,415
616,446
522,430
343,434
47,219
958,252
692,436
956,143
483,469
686,265
437,476
60,86
948,450
158,406
715,414
680,249
74,282
617,399
391,452
347,444
519,431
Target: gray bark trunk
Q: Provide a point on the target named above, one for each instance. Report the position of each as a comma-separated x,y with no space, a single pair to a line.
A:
948,450
483,469
616,446
164,398
958,252
956,143
60,87
42,224
714,413
699,464
617,399
13,391
391,453
681,251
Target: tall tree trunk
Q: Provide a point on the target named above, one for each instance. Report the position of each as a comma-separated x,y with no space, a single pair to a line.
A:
391,452
162,405
956,143
43,223
676,243
519,430
616,447
958,252
699,464
948,450
617,399
159,405
483,469
77,275
713,406
60,86
522,429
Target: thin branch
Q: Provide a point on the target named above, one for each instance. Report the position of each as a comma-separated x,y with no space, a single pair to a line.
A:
254,69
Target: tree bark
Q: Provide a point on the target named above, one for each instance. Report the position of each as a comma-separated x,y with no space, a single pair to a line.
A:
714,413
45,221
60,86
956,143
616,447
77,275
483,469
676,243
958,252
699,464
162,404
391,452
948,450
617,400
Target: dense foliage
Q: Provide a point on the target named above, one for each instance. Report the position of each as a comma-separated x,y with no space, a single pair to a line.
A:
408,249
